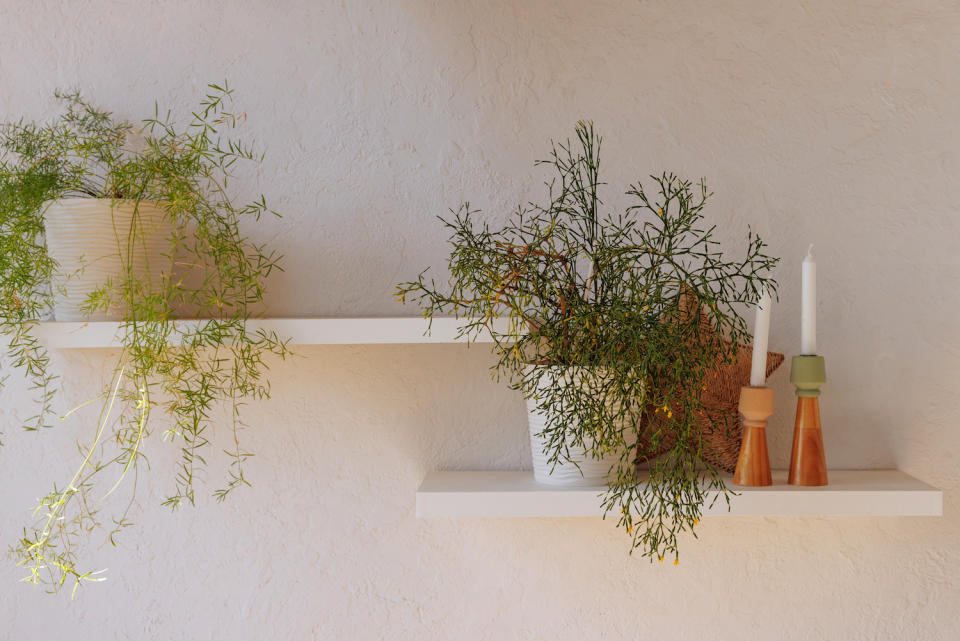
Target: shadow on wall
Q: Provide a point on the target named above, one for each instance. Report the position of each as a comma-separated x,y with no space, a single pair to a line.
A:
399,410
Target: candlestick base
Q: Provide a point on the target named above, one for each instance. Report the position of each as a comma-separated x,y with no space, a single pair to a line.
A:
808,463
753,464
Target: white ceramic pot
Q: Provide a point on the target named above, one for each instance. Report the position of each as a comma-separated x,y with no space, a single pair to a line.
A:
88,238
587,470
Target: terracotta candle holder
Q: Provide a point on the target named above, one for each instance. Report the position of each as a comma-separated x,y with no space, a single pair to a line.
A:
808,464
753,464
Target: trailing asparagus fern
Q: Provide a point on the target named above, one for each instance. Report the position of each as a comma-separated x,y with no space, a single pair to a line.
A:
172,376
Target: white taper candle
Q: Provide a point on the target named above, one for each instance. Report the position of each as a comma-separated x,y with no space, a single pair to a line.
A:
808,308
761,337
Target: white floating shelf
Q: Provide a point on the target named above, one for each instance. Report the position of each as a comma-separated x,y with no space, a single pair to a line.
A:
300,331
517,494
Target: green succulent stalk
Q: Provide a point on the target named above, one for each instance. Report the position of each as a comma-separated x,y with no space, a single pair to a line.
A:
643,298
170,376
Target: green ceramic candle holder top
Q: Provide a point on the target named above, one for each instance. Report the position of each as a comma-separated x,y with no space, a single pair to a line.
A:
808,374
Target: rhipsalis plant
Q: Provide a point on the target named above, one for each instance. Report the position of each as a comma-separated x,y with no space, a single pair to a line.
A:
642,299
174,377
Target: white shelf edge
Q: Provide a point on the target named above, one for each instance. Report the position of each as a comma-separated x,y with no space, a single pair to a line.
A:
299,331
496,494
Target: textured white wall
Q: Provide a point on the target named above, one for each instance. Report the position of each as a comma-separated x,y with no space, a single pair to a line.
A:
825,122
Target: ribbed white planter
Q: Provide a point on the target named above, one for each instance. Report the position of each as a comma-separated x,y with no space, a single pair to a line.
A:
88,238
587,470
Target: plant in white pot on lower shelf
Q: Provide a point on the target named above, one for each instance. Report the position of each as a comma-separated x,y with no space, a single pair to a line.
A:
604,331
556,393
101,220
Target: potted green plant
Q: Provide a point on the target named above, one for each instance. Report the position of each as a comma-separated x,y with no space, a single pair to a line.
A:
611,318
100,219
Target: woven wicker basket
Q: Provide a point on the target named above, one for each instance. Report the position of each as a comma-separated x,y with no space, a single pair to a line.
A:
719,426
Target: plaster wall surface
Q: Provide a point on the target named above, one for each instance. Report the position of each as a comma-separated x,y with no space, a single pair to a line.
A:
836,123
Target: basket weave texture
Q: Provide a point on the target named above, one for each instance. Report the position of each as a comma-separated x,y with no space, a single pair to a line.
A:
718,427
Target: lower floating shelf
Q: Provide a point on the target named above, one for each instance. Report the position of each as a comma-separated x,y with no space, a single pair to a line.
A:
517,494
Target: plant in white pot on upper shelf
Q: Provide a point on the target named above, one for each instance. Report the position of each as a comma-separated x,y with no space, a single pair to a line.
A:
102,220
612,319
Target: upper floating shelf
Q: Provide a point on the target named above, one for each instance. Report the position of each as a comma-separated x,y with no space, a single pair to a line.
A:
299,331
517,494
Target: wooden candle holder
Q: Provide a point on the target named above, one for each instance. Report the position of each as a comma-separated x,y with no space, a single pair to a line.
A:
753,464
808,464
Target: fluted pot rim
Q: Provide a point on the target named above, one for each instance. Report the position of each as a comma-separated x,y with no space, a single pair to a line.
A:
77,200
532,367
